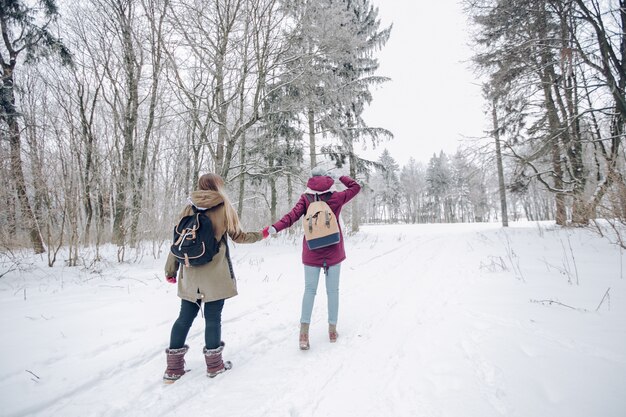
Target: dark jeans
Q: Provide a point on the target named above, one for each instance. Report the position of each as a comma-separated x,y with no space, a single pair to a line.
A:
212,323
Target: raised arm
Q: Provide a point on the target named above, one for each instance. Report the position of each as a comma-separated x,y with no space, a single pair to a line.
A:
352,189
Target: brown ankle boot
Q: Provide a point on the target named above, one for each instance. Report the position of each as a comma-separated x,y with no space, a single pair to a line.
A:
214,363
175,364
304,336
332,333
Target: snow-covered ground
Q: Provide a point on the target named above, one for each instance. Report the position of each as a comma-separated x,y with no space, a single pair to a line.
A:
467,320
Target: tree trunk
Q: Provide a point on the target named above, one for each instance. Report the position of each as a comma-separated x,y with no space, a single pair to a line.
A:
132,72
221,111
88,138
501,186
289,190
10,209
20,184
242,175
156,29
273,193
355,223
100,221
312,151
555,126
574,148
7,106
9,114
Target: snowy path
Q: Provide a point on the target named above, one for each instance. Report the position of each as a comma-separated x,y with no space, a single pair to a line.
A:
434,321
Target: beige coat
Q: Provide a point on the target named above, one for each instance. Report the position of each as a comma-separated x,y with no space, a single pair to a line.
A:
215,280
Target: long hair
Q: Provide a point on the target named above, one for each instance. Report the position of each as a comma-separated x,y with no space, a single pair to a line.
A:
214,182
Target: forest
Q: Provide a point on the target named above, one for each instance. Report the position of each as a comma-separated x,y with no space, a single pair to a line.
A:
111,109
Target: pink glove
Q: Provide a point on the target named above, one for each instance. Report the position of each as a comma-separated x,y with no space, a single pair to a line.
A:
268,231
171,280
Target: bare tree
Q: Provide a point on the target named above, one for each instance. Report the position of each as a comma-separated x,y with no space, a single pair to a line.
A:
237,45
20,36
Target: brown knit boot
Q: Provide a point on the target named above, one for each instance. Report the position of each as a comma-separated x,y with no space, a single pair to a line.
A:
175,364
332,333
304,336
214,363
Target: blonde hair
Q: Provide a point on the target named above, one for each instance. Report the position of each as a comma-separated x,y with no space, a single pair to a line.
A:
214,182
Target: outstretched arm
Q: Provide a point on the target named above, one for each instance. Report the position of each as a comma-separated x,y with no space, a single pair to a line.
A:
290,218
245,237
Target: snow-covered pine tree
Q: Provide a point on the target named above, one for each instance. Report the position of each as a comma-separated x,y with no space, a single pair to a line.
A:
357,72
279,145
413,189
439,179
333,69
389,193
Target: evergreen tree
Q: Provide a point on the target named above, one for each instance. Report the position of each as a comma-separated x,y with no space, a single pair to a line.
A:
389,192
319,37
469,190
460,175
333,70
412,186
279,145
438,179
356,74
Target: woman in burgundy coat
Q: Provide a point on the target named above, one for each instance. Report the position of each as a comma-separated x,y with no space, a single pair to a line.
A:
328,258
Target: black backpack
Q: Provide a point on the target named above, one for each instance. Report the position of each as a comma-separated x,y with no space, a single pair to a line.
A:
194,240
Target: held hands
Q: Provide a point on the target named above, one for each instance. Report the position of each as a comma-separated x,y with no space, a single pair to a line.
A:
171,280
268,231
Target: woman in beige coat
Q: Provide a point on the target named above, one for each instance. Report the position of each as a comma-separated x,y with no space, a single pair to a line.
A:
210,283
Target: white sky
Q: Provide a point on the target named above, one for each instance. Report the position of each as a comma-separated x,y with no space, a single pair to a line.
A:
433,99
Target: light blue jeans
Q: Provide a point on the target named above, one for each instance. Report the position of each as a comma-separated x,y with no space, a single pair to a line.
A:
311,279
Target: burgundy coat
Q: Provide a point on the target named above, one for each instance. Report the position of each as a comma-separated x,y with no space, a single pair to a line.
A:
330,255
